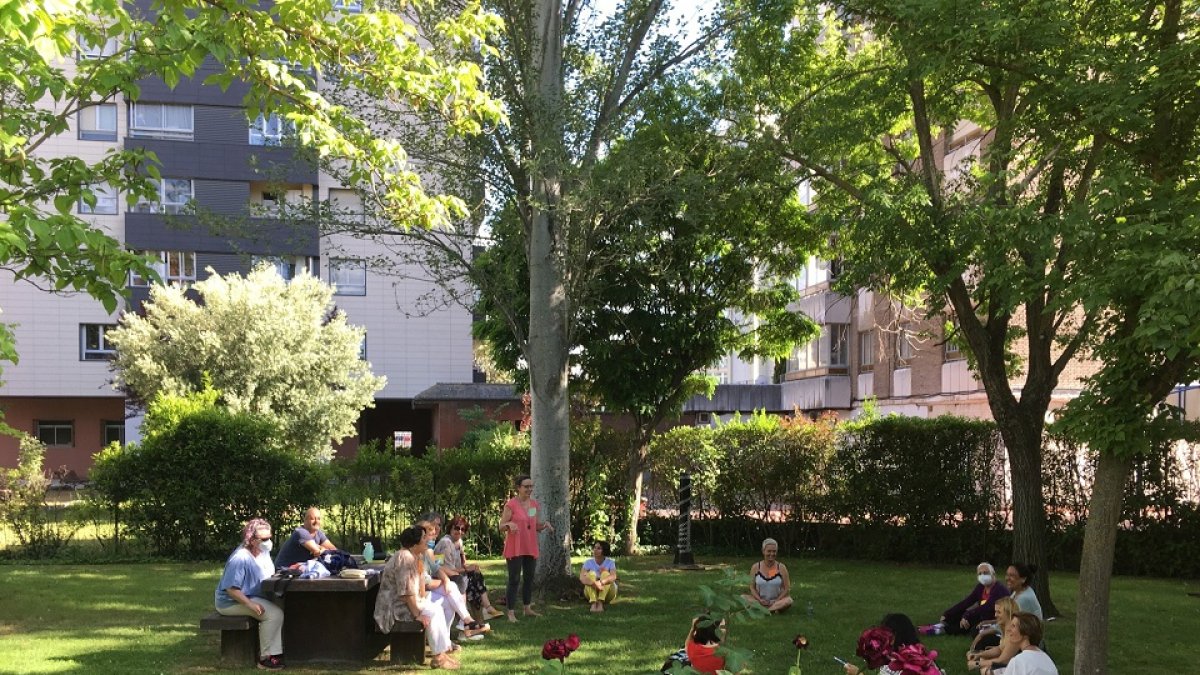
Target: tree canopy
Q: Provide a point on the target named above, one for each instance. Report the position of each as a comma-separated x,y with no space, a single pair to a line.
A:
269,347
273,48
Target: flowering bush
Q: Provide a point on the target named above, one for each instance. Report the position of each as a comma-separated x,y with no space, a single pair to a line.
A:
875,646
914,660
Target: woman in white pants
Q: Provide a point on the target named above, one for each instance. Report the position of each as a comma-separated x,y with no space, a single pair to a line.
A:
403,597
239,591
445,592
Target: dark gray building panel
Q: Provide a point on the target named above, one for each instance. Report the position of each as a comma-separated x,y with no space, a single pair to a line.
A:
223,161
227,126
250,236
222,196
222,263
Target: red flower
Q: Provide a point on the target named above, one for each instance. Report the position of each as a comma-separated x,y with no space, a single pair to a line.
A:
554,649
572,642
800,642
914,660
875,646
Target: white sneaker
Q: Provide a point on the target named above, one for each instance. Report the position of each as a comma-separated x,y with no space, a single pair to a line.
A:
474,638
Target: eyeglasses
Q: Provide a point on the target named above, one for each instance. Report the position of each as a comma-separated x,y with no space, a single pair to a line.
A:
456,528
527,485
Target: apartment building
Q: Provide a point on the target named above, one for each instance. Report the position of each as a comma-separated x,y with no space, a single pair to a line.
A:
216,158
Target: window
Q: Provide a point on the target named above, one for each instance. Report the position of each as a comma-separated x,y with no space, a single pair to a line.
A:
98,122
806,356
175,267
173,195
106,200
349,277
866,350
113,431
161,120
839,344
59,433
87,50
348,5
953,352
93,342
288,266
270,130
904,344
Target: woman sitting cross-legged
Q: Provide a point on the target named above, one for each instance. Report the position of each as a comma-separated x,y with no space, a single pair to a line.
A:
599,576
770,585
990,649
1025,632
402,597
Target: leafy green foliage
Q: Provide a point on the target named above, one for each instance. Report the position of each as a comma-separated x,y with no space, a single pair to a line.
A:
268,346
41,529
191,485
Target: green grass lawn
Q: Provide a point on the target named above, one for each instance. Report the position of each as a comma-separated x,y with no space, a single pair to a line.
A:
144,618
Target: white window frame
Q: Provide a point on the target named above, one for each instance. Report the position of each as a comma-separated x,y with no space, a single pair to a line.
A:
163,206
98,132
102,352
88,51
164,131
185,266
839,337
107,201
270,130
342,273
866,350
56,428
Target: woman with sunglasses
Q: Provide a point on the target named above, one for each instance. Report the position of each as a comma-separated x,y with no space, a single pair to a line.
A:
521,523
468,577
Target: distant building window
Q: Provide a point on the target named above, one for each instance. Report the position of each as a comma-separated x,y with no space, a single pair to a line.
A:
161,120
174,194
353,6
93,342
87,50
175,267
288,267
953,352
98,122
106,200
866,350
113,432
60,433
349,277
270,130
839,344
904,344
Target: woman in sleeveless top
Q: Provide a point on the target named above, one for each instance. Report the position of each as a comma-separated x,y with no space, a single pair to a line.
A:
521,522
770,585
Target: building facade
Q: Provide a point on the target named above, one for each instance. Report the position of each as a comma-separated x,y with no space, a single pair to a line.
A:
242,170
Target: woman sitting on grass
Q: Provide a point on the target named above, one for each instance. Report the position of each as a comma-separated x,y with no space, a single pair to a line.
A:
1024,631
599,576
702,642
989,646
770,585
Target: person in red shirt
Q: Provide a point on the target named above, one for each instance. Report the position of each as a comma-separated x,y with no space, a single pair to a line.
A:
702,642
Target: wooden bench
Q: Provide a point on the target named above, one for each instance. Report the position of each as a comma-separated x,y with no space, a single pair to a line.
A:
407,642
239,637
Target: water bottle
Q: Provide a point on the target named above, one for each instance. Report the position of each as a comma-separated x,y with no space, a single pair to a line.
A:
368,552
810,610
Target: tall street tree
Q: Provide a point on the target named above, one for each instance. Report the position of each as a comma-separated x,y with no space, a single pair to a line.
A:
270,49
571,79
696,251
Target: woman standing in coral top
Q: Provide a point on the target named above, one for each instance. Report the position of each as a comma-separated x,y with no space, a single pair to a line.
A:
521,522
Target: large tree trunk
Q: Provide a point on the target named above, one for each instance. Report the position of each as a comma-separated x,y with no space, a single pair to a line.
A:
637,466
1022,435
1095,569
548,349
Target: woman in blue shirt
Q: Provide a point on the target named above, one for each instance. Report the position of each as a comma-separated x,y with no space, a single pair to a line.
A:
239,592
599,576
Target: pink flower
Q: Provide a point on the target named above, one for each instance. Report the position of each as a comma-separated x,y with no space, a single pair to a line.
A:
875,646
914,660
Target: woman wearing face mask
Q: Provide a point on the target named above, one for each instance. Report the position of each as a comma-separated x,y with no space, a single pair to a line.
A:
979,605
239,591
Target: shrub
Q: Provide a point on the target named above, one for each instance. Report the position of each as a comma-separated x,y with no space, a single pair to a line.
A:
41,529
200,473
